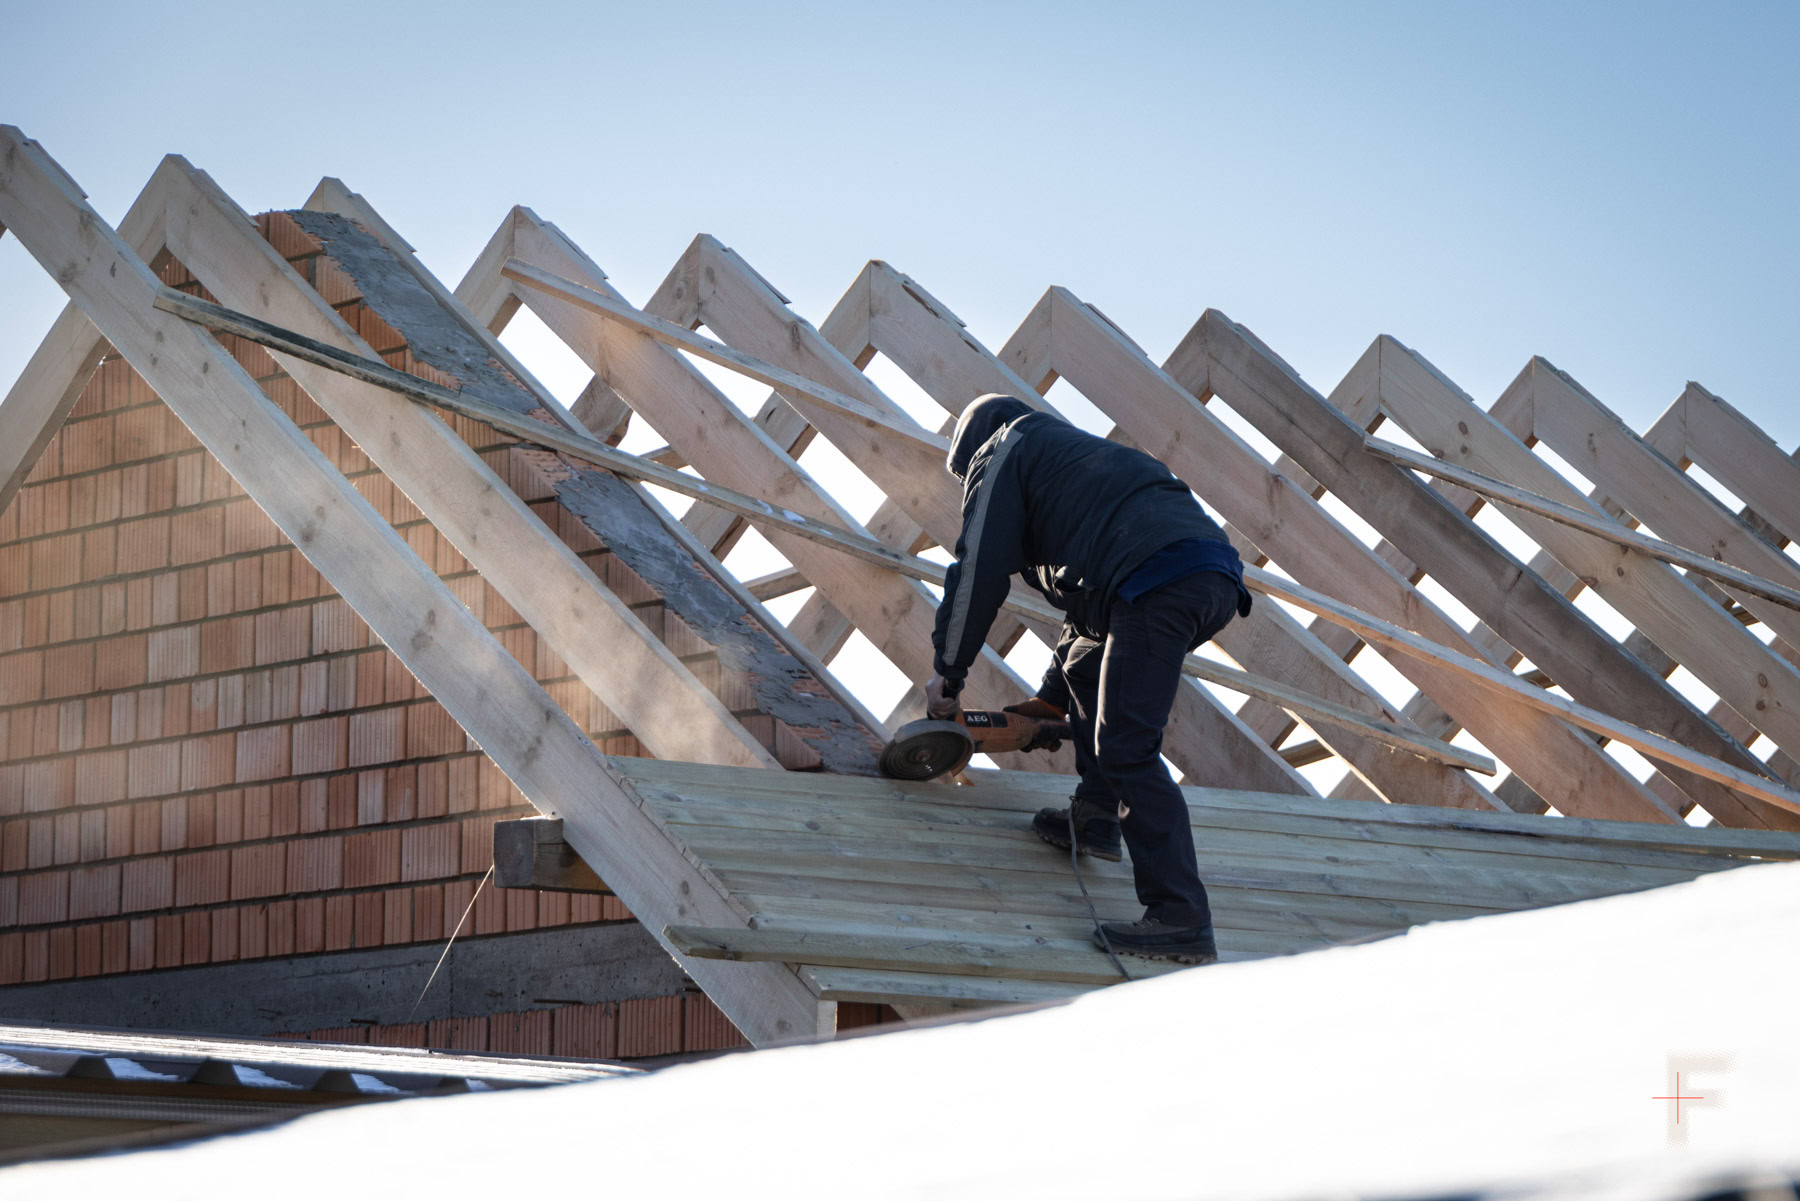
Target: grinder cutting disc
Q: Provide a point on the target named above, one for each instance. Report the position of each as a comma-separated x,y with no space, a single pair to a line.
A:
926,749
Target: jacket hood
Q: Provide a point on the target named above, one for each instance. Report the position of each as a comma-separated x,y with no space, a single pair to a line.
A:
977,424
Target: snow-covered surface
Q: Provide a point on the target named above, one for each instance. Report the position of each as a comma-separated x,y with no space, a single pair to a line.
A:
1521,1050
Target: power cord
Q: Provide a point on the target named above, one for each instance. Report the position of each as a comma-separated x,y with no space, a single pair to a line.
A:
1075,867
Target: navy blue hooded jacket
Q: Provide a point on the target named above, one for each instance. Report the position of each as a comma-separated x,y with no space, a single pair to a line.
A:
1075,514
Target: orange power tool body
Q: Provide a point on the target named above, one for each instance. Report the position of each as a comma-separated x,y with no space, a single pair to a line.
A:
929,748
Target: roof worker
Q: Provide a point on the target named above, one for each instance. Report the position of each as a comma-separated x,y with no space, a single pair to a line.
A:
1142,576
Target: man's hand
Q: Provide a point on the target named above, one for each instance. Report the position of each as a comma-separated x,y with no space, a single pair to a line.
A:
939,704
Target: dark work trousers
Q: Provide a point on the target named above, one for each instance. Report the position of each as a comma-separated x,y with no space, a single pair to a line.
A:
1121,691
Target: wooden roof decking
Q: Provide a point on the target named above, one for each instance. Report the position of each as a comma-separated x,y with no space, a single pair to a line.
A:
714,677
910,893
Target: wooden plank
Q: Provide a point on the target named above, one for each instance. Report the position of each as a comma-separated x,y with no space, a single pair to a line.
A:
529,852
602,640
1587,522
957,957
1281,518
890,988
402,600
1709,431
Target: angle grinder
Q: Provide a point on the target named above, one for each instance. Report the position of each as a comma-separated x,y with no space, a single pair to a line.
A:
929,748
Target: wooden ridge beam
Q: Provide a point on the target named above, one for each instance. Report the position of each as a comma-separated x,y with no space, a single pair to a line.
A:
372,568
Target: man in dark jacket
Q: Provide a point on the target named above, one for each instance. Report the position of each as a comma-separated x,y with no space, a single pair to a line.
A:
1142,576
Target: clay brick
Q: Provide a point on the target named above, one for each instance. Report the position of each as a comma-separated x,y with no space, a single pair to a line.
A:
209,761
203,878
433,790
284,692
149,703
9,901
490,910
168,940
122,662
340,923
283,635
178,709
372,858
119,831
86,610
400,789
526,1033
228,645
340,802
40,846
320,746
284,810
371,680
165,598
650,1026
21,677
282,925
69,670
315,864
447,1034
146,884
94,892
192,603
247,528
224,936
371,798
258,702
309,925
87,951
68,838
253,931
115,947
477,843
175,813
146,827
552,909
228,816
37,956
428,914
431,731
153,770
258,871
397,917
336,627
247,582
141,944
459,913
370,920
112,608
174,654
410,1034
705,1027
44,898
229,702
55,562
93,835
87,445
12,961
141,434
263,754
143,545
377,737
521,908
61,954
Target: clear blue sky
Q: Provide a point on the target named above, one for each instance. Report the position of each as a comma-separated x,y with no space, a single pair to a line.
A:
1612,186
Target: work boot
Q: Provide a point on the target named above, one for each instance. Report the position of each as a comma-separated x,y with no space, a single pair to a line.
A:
1096,829
1151,939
